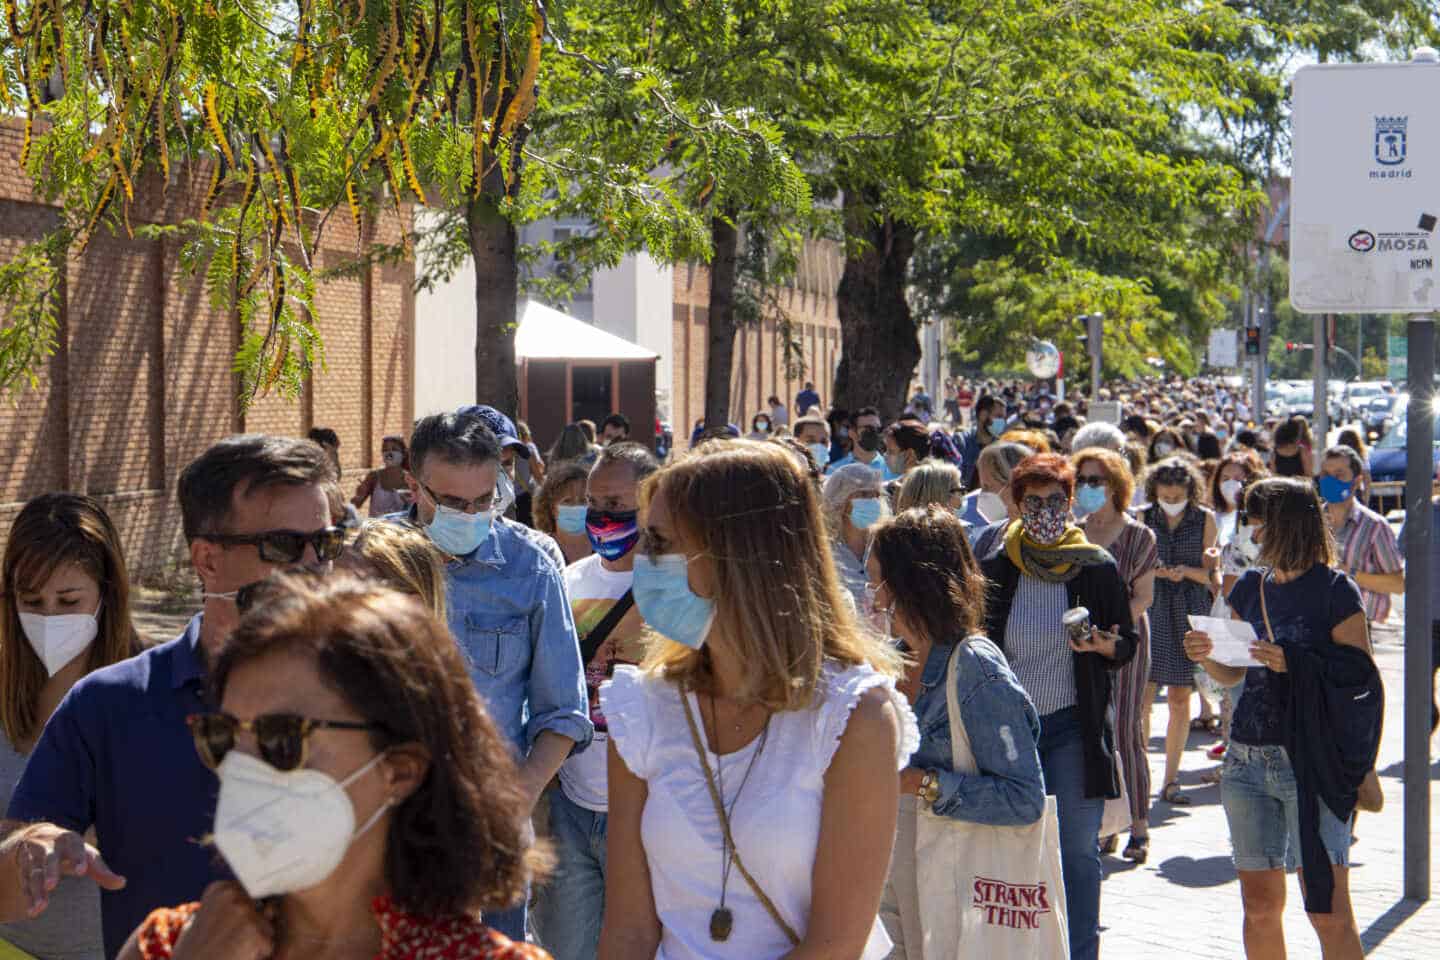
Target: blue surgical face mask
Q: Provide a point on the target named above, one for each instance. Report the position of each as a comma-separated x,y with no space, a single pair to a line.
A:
821,453
1089,499
865,512
570,517
1333,490
666,602
456,532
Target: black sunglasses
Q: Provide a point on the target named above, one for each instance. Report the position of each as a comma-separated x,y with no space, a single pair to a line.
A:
287,546
283,738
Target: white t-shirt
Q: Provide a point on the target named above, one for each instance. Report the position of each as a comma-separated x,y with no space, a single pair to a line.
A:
776,821
593,591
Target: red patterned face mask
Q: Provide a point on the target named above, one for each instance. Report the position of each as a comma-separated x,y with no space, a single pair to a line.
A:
612,535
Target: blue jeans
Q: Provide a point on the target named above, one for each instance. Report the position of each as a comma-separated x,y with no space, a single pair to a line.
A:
1062,759
1262,807
569,908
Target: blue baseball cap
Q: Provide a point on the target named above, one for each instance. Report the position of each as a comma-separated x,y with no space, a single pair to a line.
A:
499,424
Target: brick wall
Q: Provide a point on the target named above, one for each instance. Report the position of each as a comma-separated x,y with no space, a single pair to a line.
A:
759,366
141,382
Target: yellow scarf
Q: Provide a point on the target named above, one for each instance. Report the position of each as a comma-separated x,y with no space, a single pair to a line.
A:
1056,562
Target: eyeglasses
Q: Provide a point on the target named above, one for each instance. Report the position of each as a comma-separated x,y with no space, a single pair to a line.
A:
1090,481
478,505
1056,501
287,546
283,738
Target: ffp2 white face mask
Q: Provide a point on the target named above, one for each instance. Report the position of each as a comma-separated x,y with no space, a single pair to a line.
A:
59,639
282,831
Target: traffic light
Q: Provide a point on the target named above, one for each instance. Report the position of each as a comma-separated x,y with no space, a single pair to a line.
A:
1252,341
1291,347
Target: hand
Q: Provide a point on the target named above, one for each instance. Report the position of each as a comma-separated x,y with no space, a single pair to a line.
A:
228,925
43,853
1271,655
910,779
1099,641
1198,645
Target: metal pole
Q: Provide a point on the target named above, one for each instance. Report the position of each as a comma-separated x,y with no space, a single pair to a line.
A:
1320,420
1095,323
1419,519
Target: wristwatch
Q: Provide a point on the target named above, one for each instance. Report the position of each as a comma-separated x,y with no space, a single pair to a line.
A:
929,790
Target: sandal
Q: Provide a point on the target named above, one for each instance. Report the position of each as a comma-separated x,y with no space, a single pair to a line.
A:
1108,844
1138,849
1172,795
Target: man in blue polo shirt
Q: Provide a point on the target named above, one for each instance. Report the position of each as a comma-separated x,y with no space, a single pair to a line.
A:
508,607
117,754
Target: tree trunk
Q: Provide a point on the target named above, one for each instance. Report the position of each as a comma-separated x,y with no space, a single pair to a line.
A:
720,342
497,276
880,347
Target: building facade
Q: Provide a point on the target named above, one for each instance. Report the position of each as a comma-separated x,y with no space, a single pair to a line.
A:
141,380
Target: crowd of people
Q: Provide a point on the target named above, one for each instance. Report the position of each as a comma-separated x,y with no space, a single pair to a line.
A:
835,688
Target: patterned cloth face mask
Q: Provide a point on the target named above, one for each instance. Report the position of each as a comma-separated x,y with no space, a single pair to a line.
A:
612,534
1045,524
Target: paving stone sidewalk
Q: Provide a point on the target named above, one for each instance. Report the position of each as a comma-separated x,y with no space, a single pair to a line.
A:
1185,902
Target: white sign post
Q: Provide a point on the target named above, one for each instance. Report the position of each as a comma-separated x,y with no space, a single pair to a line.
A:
1224,348
1363,239
1365,196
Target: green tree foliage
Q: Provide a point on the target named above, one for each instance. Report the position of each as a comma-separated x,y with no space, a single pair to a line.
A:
306,114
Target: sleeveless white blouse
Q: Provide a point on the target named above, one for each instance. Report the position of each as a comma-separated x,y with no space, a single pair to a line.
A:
776,823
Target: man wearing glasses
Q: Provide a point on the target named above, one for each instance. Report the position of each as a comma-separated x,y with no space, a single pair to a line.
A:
508,607
117,754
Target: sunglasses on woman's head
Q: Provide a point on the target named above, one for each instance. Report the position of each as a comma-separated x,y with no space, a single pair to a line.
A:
283,738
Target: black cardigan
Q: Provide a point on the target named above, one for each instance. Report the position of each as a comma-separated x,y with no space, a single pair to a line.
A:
1099,589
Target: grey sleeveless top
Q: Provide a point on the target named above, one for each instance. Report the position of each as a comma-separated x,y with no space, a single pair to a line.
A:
69,929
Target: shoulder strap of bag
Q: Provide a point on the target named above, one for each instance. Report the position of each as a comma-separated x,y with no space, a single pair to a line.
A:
719,803
602,630
962,758
1265,613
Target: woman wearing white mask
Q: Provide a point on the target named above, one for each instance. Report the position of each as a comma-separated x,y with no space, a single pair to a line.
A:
1232,475
754,756
64,612
1103,487
989,508
396,795
1185,581
854,502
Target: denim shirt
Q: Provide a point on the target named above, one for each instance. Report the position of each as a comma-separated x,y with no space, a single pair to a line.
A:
509,612
1009,789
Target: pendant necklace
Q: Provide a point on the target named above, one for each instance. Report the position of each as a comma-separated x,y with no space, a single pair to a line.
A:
722,921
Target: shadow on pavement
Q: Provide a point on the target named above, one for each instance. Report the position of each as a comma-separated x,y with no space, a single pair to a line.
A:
1397,770
1189,872
1387,923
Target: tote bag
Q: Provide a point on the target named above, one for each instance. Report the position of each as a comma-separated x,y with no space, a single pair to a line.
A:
986,892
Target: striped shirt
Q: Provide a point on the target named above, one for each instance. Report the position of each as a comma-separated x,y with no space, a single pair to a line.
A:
1368,545
1036,647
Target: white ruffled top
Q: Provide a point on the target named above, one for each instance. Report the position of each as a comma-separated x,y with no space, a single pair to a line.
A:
776,822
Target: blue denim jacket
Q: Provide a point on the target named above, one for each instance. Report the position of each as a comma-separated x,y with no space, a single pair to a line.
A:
509,613
1003,729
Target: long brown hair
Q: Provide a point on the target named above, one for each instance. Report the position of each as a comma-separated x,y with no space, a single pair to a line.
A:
750,509
455,845
52,530
926,560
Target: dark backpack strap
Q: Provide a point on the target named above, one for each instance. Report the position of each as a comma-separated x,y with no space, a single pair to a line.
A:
593,640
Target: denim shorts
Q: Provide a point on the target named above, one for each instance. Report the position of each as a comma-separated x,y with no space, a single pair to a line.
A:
1259,796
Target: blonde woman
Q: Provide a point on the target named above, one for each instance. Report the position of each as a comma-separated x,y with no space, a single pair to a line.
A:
754,756
933,481
855,502
403,557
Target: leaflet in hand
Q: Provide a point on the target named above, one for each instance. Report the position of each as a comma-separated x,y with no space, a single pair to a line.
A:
1232,638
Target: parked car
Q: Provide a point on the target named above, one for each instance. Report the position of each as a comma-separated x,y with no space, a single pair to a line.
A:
1388,456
